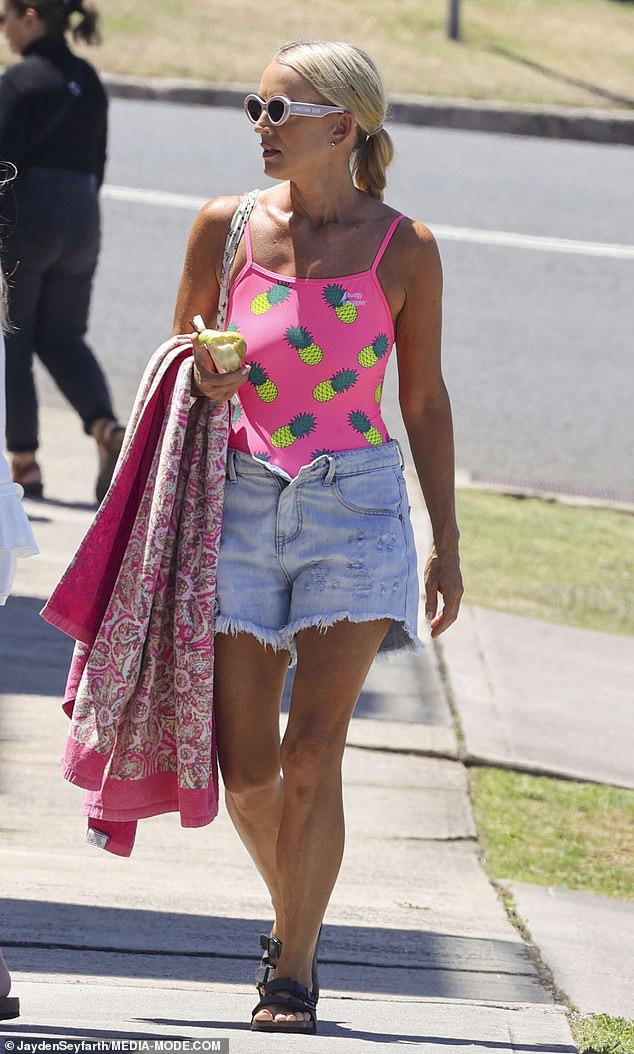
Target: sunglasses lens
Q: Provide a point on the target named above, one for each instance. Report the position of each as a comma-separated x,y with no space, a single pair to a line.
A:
276,110
254,109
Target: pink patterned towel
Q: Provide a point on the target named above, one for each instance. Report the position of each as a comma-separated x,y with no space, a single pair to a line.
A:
139,599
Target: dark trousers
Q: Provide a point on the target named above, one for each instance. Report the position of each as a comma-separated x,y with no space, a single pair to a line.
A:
51,237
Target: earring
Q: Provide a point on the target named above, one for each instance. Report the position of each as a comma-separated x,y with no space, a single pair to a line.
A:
333,145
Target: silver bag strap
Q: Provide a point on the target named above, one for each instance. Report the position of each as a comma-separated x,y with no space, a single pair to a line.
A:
236,230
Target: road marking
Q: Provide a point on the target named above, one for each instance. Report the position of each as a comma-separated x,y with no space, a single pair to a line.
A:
152,197
167,199
531,241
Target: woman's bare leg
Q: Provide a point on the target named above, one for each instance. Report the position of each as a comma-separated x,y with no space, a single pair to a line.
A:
331,668
248,685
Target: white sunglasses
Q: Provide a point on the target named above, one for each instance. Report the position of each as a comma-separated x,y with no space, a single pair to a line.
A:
279,109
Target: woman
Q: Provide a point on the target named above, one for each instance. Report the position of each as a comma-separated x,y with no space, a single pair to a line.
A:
53,126
317,559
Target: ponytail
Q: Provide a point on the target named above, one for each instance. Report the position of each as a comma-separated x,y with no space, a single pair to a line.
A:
370,160
56,16
87,29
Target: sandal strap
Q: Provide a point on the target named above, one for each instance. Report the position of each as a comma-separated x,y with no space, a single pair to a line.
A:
272,948
264,973
293,997
271,945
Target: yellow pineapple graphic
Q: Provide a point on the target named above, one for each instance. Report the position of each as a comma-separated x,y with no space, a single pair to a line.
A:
378,392
298,428
300,339
266,389
339,382
361,423
371,354
275,294
335,297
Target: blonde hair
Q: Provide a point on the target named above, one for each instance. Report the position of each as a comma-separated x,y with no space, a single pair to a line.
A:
346,76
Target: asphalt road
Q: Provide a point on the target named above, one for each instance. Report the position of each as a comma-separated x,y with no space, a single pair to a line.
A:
538,335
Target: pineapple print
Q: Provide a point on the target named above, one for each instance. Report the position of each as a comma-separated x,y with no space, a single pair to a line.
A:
378,392
322,452
299,338
335,297
361,423
262,455
232,328
339,382
275,294
265,388
300,426
371,354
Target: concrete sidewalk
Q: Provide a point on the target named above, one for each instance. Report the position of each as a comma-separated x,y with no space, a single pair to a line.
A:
553,700
417,949
540,697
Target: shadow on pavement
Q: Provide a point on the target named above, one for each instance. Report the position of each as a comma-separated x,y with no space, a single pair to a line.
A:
49,937
34,657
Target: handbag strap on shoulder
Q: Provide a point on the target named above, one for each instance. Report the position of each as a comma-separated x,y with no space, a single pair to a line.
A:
236,230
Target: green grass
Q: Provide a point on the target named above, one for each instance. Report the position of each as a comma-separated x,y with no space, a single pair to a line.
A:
562,563
601,1034
575,52
554,832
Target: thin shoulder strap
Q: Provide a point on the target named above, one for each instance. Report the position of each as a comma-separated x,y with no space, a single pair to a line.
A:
236,230
247,243
386,241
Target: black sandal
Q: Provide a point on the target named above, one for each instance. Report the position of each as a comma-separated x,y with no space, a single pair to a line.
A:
293,998
272,949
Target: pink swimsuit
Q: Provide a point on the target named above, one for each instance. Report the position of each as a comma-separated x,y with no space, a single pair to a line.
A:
318,349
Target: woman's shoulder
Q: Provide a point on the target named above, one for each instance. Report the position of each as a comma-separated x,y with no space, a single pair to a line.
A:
414,238
216,213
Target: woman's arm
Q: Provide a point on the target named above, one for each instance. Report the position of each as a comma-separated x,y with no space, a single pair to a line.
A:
426,414
198,294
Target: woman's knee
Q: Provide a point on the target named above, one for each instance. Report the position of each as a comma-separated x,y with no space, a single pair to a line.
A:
243,779
310,761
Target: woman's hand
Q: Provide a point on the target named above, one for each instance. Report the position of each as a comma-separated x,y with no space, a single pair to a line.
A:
442,576
208,382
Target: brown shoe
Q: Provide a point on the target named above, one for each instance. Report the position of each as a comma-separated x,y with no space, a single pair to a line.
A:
26,471
109,436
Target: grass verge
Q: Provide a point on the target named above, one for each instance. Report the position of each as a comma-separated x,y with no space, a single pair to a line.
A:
601,1034
562,563
555,832
573,52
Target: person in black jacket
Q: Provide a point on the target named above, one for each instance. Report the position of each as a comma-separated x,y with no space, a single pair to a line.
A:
53,128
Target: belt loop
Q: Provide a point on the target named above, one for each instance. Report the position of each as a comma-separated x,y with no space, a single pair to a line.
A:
329,478
232,475
400,453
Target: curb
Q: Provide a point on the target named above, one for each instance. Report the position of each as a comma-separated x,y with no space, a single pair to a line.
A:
466,480
549,122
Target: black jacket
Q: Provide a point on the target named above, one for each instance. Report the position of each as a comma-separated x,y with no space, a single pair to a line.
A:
53,111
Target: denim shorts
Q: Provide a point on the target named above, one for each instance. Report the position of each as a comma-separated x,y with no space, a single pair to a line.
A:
336,542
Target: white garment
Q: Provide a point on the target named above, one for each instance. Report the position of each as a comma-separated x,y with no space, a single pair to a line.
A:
16,536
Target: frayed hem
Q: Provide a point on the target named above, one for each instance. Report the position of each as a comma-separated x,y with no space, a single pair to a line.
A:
399,639
275,639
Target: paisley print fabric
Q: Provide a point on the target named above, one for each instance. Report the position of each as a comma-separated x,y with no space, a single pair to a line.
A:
140,689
